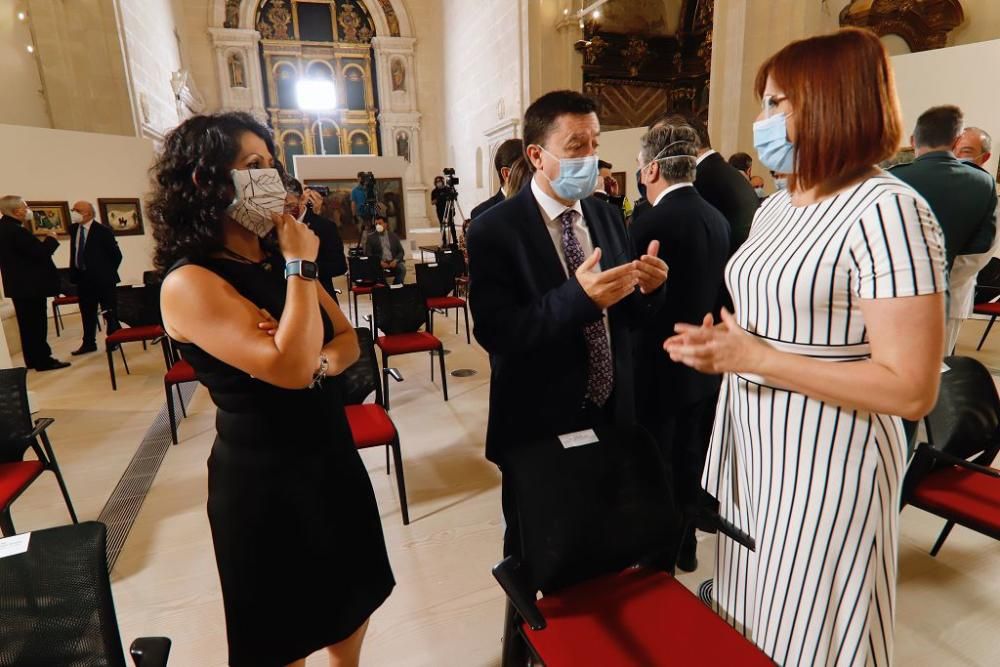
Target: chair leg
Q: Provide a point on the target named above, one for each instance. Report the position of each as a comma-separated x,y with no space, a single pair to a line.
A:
430,320
942,537
986,333
54,466
144,348
121,349
456,322
397,454
432,365
165,346
354,296
514,650
444,374
386,460
55,317
111,369
385,380
180,400
6,523
468,334
170,413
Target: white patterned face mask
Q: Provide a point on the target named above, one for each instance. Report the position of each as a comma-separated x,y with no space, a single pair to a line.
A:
259,193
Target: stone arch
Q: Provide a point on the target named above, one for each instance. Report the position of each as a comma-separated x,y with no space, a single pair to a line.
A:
385,14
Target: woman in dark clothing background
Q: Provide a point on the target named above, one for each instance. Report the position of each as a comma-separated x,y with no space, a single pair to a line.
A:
296,531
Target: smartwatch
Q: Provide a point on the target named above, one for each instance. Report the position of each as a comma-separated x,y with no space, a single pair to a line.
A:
302,268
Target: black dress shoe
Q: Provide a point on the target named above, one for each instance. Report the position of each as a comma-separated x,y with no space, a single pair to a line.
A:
52,365
85,349
687,559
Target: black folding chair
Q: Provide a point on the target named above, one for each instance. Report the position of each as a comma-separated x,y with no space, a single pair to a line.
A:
400,312
987,290
68,296
364,276
370,423
594,530
56,606
951,474
437,285
139,308
17,434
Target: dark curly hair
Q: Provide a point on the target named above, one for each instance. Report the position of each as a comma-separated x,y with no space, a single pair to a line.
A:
187,217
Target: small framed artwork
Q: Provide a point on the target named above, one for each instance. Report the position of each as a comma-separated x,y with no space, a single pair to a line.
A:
50,216
123,216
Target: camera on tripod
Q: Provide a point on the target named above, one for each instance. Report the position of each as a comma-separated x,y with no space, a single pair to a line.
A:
450,197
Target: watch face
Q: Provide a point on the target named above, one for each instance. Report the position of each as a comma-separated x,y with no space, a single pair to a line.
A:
309,270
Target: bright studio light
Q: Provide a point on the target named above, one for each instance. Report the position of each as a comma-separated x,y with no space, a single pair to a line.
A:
21,16
596,14
316,95
30,48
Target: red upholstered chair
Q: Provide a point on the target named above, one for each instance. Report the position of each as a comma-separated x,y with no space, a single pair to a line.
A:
602,562
400,312
437,285
139,307
950,476
179,373
364,276
370,424
17,435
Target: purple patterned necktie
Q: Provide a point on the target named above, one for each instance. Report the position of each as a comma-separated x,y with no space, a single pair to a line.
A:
600,370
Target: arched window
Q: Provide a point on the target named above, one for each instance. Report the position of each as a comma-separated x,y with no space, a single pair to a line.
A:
320,69
291,145
330,141
360,144
355,86
285,77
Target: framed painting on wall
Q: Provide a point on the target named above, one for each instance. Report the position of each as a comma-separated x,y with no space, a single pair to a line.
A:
123,216
337,205
50,216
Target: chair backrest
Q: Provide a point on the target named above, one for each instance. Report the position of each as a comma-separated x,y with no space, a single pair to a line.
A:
365,270
988,282
435,280
55,601
399,309
966,420
66,286
15,414
452,257
590,509
139,305
361,378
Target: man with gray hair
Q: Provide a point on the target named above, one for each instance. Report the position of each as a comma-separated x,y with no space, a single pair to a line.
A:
674,402
94,258
29,277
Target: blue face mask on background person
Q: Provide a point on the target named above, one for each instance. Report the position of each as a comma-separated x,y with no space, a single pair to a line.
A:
770,138
781,184
577,177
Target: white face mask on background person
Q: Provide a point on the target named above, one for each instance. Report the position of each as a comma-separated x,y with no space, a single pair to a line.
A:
379,228
76,217
29,215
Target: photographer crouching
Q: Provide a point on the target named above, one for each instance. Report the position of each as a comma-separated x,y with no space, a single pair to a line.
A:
385,245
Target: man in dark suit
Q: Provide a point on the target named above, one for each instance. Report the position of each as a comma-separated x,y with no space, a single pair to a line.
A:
94,258
675,402
556,291
385,245
330,260
720,184
507,154
29,276
962,195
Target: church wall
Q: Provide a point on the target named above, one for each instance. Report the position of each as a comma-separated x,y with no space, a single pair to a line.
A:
153,54
59,165
428,24
483,88
23,101
197,51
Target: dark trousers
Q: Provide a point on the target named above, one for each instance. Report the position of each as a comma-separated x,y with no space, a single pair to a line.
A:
33,325
91,296
683,439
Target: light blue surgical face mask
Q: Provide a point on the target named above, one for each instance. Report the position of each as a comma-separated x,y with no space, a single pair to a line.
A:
577,177
760,193
770,138
781,184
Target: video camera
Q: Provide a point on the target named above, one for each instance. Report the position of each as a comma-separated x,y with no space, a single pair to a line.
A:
450,181
321,190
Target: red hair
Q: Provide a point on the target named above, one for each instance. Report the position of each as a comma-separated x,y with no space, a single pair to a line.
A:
847,117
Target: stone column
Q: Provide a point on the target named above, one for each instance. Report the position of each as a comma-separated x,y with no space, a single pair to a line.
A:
241,44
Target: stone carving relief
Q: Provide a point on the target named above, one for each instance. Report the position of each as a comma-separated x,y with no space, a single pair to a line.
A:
403,145
354,23
275,20
237,72
398,72
923,24
232,14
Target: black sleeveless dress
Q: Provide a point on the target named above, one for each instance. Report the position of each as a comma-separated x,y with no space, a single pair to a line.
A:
297,533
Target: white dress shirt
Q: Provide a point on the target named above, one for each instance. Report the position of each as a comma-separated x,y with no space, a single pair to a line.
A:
701,158
551,210
675,186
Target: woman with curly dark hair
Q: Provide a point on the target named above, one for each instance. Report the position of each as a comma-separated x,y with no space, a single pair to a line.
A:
296,530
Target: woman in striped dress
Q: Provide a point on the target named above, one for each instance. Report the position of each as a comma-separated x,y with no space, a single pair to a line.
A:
838,332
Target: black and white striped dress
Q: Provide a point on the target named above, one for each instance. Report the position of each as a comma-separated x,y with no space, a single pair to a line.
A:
816,485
